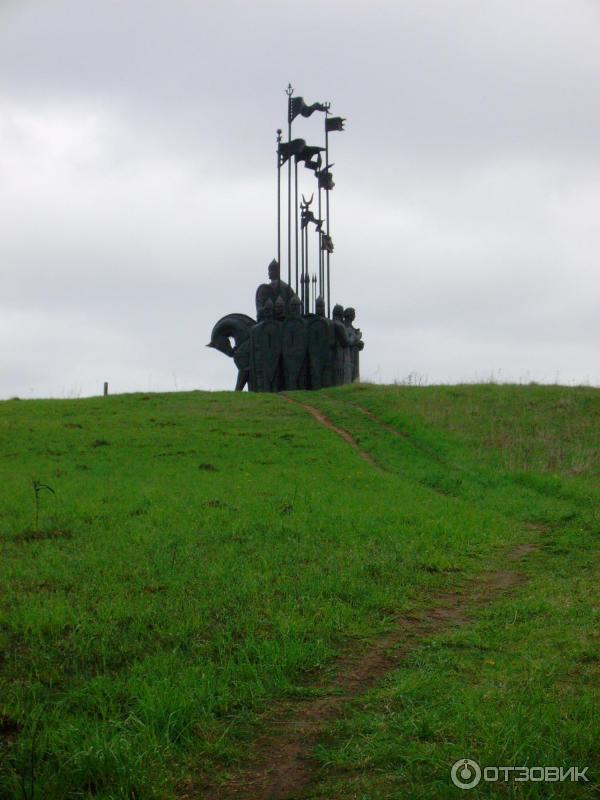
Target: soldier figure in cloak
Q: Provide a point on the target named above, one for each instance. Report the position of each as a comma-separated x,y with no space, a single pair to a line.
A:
348,352
294,347
357,344
319,348
265,343
341,346
274,289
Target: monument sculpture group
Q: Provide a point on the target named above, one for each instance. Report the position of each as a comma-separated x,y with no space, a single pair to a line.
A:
297,341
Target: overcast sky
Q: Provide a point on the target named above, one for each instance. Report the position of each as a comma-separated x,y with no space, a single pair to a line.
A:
137,184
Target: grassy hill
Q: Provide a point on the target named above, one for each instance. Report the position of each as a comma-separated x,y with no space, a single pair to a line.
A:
205,560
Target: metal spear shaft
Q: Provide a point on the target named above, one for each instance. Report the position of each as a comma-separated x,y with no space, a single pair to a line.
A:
296,219
289,91
305,296
327,213
320,247
301,254
278,199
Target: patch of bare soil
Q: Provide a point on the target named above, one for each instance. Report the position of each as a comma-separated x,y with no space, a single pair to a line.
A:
9,728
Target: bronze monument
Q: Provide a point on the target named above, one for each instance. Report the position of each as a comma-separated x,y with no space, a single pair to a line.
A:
296,340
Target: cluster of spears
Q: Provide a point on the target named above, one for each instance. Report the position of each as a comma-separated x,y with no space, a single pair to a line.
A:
318,284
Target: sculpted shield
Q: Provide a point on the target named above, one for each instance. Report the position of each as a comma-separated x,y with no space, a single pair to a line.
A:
295,343
266,338
319,353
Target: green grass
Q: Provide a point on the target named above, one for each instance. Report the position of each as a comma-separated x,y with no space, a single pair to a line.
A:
517,687
204,553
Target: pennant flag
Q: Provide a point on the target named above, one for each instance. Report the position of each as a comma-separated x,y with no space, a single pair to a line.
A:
334,124
298,106
308,154
326,243
288,149
325,179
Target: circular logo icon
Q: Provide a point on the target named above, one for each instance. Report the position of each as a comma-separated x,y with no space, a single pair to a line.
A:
465,773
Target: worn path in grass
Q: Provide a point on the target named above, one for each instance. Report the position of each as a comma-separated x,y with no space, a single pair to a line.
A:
281,767
280,764
322,419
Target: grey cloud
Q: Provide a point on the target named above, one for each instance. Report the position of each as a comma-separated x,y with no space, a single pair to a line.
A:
137,197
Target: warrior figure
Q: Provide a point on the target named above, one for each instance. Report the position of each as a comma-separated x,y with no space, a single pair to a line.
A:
319,348
356,342
265,352
294,347
341,344
273,290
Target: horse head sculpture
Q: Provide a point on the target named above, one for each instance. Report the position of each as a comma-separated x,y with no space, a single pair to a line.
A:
236,327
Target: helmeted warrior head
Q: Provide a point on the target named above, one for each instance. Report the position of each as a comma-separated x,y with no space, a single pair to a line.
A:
295,306
320,307
268,309
274,270
279,308
338,312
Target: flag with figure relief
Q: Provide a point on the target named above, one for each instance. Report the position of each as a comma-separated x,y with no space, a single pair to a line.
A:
325,178
326,243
